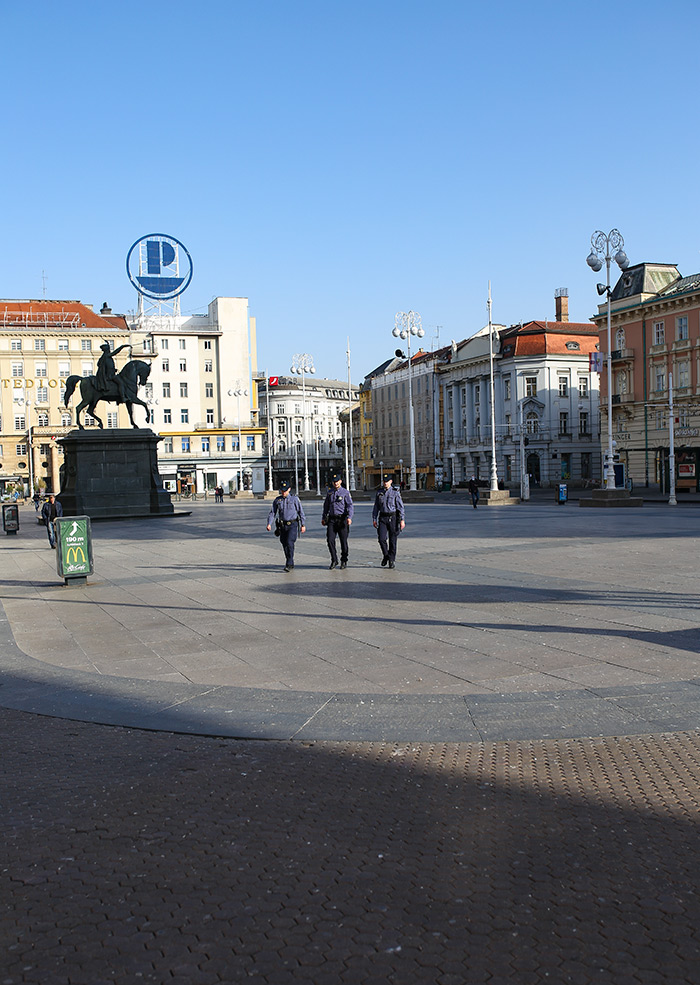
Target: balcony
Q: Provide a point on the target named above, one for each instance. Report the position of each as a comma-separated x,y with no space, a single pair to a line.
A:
618,354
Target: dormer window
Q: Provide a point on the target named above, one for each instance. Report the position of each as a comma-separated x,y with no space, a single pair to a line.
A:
572,345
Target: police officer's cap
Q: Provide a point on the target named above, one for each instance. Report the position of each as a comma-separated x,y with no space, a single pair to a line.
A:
387,477
284,485
336,478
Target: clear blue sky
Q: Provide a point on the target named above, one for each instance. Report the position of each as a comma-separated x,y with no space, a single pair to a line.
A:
335,162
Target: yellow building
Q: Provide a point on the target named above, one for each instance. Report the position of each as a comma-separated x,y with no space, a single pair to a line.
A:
42,343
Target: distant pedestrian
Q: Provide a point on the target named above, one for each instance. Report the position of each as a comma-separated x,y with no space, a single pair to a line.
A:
389,519
49,511
337,516
287,514
473,487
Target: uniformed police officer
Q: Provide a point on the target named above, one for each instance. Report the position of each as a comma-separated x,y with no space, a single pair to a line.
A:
337,518
388,517
287,514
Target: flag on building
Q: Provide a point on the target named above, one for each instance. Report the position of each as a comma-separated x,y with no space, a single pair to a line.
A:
595,362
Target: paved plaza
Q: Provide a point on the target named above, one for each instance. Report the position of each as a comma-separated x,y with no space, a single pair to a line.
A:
485,766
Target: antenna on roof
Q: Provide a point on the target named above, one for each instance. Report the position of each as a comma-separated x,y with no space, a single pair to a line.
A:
43,280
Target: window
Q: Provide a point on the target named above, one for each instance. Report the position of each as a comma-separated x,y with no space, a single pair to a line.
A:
660,420
563,423
21,449
205,444
39,345
208,366
166,389
86,345
40,370
582,386
659,333
297,427
280,408
185,444
16,345
620,338
112,419
209,390
1,451
183,365
182,343
660,380
250,442
531,386
183,389
234,442
281,427
532,423
87,369
63,345
297,408
148,391
221,442
168,446
683,374
583,422
563,386
506,387
42,419
65,420
20,423
207,343
210,415
42,395
17,370
166,366
682,328
110,343
165,343
184,416
621,382
63,371
167,416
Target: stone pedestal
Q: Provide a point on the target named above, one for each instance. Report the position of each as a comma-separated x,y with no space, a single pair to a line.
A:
112,474
611,498
498,497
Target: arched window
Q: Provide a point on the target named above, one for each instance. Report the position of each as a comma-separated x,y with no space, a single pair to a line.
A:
281,446
620,338
621,381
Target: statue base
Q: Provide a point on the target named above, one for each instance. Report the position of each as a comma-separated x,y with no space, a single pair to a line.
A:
112,474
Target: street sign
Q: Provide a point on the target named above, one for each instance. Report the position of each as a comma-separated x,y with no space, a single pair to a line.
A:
74,547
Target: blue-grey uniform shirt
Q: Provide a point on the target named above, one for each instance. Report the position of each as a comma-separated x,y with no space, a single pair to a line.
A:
287,508
338,504
388,501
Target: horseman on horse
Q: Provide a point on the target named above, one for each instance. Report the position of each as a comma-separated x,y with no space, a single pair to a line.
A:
107,384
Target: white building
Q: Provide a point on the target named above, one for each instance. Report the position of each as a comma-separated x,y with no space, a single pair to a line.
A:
202,392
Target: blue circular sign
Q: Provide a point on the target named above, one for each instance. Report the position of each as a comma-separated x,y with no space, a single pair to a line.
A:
154,265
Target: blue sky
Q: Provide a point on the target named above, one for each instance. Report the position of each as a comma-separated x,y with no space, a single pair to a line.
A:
337,162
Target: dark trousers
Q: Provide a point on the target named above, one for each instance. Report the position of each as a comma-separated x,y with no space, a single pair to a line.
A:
288,537
387,534
475,498
341,529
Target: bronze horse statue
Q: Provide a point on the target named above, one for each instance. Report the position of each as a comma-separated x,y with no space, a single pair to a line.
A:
134,374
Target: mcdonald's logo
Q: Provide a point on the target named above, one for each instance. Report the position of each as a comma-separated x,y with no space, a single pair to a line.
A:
72,555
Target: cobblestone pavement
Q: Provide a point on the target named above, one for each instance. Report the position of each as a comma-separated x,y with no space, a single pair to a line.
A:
134,856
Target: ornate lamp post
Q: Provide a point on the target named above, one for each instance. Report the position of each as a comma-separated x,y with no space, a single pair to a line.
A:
602,248
303,363
494,471
406,324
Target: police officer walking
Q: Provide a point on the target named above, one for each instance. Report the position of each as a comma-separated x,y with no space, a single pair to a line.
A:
337,518
388,516
287,514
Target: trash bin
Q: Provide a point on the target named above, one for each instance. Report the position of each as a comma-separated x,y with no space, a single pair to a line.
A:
562,493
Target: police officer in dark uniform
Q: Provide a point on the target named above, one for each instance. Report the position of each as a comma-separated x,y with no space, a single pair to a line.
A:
337,518
287,514
389,519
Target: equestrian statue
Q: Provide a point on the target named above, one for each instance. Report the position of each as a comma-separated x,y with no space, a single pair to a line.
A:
107,384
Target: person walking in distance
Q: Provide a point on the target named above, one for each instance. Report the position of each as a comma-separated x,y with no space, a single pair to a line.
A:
337,515
49,511
287,514
389,519
473,487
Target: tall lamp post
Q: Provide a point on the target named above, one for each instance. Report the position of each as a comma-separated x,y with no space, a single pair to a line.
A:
406,324
494,471
351,477
303,363
238,392
602,248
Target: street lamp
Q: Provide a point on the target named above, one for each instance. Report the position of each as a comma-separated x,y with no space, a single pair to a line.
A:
601,249
406,324
238,392
303,363
351,477
494,471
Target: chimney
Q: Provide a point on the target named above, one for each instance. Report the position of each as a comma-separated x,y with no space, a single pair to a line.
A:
561,304
105,309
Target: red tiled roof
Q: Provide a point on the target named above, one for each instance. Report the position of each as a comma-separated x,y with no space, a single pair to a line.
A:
539,337
63,315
